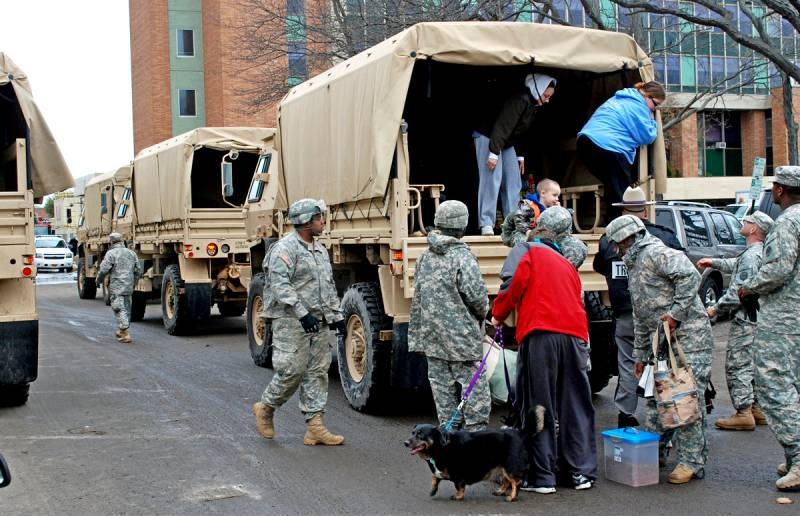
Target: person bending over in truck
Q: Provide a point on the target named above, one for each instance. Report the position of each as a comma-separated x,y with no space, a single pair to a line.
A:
447,313
300,302
122,267
499,166
608,142
516,225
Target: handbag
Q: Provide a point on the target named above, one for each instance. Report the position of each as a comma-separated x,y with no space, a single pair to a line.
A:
675,393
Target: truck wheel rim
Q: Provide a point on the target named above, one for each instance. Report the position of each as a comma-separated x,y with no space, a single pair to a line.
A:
257,322
170,295
355,348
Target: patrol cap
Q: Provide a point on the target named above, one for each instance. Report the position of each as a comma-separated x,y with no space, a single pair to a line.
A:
115,237
556,219
633,200
788,175
760,219
452,215
622,227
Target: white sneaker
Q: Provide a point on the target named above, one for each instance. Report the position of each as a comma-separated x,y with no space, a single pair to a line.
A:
487,230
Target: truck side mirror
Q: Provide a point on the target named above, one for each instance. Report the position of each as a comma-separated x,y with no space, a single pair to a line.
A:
103,203
227,179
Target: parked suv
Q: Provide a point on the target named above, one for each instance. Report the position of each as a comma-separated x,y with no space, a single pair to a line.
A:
705,232
52,252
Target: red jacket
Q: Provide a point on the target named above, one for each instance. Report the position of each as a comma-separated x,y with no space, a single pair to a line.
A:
546,292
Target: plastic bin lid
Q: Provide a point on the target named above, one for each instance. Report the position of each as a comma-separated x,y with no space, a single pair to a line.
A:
631,434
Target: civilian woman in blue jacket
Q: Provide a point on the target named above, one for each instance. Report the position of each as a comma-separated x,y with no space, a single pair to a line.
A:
608,142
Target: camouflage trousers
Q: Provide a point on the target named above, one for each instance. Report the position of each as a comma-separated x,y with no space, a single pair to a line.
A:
448,381
300,360
121,304
739,363
691,441
777,375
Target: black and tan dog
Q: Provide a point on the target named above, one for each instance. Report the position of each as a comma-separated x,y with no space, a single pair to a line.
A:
466,458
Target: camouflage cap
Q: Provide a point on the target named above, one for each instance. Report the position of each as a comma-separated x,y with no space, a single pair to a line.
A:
452,215
622,227
301,212
788,175
115,237
556,219
760,219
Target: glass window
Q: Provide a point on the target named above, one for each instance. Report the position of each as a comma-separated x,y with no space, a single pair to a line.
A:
257,188
722,230
703,46
185,43
736,226
186,103
664,218
687,71
695,228
717,70
123,208
295,7
717,44
297,64
673,69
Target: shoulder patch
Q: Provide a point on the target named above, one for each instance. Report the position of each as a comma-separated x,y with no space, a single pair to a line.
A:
285,258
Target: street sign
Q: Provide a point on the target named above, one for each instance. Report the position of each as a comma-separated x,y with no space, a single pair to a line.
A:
756,182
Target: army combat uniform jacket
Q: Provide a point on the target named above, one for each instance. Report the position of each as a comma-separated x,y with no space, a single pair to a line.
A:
742,268
124,269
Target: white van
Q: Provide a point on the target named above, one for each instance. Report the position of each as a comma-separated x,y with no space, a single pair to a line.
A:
53,253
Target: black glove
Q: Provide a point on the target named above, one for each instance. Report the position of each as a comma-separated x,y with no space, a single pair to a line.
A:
310,323
710,394
339,327
751,306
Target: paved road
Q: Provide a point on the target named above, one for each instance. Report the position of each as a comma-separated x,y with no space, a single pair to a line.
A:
163,426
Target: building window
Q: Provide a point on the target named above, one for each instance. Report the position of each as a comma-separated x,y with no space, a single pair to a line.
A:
185,42
295,8
187,105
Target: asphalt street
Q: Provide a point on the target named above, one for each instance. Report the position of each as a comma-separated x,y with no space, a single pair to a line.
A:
163,426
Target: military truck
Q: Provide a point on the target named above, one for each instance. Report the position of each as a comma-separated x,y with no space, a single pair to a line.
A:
31,166
386,135
105,198
189,230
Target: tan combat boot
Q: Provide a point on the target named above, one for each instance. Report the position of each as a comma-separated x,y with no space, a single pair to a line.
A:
759,416
124,336
742,420
682,474
118,334
264,413
791,480
318,434
782,469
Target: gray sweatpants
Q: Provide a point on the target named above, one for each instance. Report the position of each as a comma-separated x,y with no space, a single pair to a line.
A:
625,397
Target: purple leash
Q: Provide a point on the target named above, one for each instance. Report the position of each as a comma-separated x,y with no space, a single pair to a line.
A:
498,337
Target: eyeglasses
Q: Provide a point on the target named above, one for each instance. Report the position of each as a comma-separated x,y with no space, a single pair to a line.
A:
656,102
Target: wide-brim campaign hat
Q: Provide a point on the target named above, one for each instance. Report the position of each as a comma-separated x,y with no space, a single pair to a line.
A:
633,199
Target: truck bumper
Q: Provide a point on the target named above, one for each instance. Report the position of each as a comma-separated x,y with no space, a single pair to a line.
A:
19,352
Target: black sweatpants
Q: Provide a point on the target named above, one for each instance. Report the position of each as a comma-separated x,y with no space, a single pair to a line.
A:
551,371
609,167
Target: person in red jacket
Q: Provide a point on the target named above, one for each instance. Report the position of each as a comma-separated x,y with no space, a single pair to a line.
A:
545,290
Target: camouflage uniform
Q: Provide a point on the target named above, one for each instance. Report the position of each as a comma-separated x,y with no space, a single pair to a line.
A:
301,282
123,268
559,221
663,281
739,352
447,313
516,225
777,339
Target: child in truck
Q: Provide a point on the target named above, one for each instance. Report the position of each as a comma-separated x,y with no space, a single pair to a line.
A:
516,225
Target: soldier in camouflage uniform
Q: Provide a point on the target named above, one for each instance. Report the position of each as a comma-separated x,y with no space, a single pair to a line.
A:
777,340
739,352
559,221
516,226
663,285
447,315
300,302
122,267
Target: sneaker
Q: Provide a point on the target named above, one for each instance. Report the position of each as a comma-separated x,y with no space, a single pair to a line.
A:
533,489
581,482
626,420
487,231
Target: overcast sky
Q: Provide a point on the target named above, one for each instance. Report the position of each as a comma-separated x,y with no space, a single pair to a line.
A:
76,54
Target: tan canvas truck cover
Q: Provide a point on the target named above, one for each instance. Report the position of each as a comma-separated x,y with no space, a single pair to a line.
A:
49,170
162,173
340,127
92,211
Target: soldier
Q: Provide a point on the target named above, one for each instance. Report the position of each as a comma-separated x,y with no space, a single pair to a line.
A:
516,225
301,300
559,221
777,339
739,352
447,314
663,285
610,265
123,268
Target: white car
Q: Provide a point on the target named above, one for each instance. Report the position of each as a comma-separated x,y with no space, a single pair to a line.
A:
53,253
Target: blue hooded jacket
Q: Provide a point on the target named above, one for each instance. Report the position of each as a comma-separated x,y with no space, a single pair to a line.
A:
621,124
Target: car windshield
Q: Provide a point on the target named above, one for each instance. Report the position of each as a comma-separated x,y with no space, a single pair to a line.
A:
738,210
51,243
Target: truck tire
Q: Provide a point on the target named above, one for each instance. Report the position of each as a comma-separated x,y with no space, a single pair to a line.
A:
87,289
603,347
231,308
14,395
259,331
174,306
364,362
138,305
